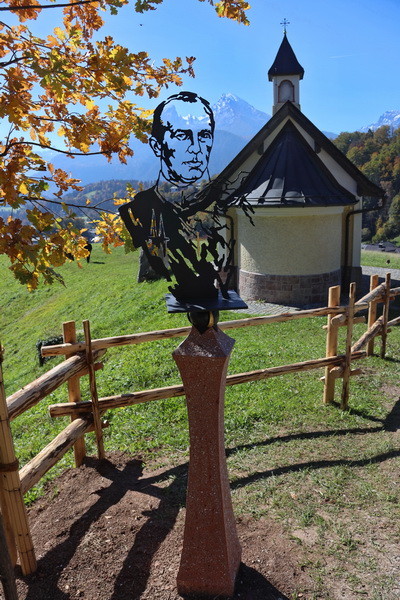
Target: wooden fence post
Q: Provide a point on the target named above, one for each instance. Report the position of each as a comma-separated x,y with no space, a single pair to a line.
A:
6,567
385,315
331,345
74,391
347,365
7,523
372,311
93,391
11,497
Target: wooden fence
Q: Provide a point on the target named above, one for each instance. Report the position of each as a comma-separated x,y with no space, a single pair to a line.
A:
83,359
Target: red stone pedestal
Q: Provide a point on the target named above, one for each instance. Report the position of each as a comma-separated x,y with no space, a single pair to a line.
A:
211,550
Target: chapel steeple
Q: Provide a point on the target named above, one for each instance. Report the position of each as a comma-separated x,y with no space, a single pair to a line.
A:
285,74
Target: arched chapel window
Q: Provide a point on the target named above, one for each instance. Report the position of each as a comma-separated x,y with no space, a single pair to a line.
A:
286,91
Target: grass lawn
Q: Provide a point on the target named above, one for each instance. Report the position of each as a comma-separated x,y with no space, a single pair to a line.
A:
370,258
331,477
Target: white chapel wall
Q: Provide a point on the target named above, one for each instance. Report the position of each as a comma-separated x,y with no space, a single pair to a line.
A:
291,241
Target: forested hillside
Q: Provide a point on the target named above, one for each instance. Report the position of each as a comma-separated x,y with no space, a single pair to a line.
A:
103,193
377,155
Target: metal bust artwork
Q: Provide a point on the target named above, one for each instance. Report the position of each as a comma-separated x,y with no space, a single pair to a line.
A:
179,222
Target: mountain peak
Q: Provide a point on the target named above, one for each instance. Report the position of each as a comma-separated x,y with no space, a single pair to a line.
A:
238,116
230,101
231,113
230,96
390,117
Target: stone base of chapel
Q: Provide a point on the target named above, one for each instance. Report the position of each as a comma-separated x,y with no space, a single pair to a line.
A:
288,289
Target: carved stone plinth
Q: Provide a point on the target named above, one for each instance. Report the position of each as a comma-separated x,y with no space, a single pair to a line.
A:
211,550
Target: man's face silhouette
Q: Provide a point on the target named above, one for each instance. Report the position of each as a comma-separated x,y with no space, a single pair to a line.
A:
184,151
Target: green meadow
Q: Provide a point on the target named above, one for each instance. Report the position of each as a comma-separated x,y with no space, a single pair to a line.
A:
383,260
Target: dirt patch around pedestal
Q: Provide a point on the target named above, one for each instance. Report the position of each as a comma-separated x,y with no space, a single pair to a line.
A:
113,530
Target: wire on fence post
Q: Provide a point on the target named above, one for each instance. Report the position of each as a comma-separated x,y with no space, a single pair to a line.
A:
11,497
372,311
385,315
347,364
93,391
331,344
74,391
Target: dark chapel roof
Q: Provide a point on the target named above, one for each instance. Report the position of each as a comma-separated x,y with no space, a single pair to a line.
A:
291,173
289,112
285,62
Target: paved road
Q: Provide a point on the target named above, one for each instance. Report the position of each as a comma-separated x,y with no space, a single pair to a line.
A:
395,273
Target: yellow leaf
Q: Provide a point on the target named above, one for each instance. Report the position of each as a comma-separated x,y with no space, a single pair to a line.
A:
90,104
52,41
60,33
23,189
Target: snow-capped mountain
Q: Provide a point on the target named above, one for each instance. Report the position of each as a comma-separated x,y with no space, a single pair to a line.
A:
390,117
231,114
238,116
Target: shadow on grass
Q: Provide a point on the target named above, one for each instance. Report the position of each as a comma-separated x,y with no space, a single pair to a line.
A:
391,359
314,465
390,423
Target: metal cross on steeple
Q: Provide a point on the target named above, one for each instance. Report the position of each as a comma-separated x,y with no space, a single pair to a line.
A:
284,23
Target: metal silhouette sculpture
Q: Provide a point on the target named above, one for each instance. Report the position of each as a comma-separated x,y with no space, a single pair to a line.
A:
184,236
180,228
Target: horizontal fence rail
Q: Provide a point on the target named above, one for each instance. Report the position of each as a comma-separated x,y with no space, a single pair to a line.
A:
151,336
34,470
76,366
123,400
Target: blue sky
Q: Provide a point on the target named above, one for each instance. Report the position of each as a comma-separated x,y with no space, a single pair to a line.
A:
350,50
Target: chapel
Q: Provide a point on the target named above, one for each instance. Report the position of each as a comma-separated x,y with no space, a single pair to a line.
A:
307,199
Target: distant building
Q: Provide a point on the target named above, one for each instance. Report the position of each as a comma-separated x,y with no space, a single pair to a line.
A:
307,197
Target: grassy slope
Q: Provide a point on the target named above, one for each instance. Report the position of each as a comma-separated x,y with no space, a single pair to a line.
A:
290,456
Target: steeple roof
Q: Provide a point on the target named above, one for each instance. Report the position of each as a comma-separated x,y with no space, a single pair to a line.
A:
285,62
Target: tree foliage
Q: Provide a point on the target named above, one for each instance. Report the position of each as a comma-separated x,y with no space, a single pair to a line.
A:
57,85
377,155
